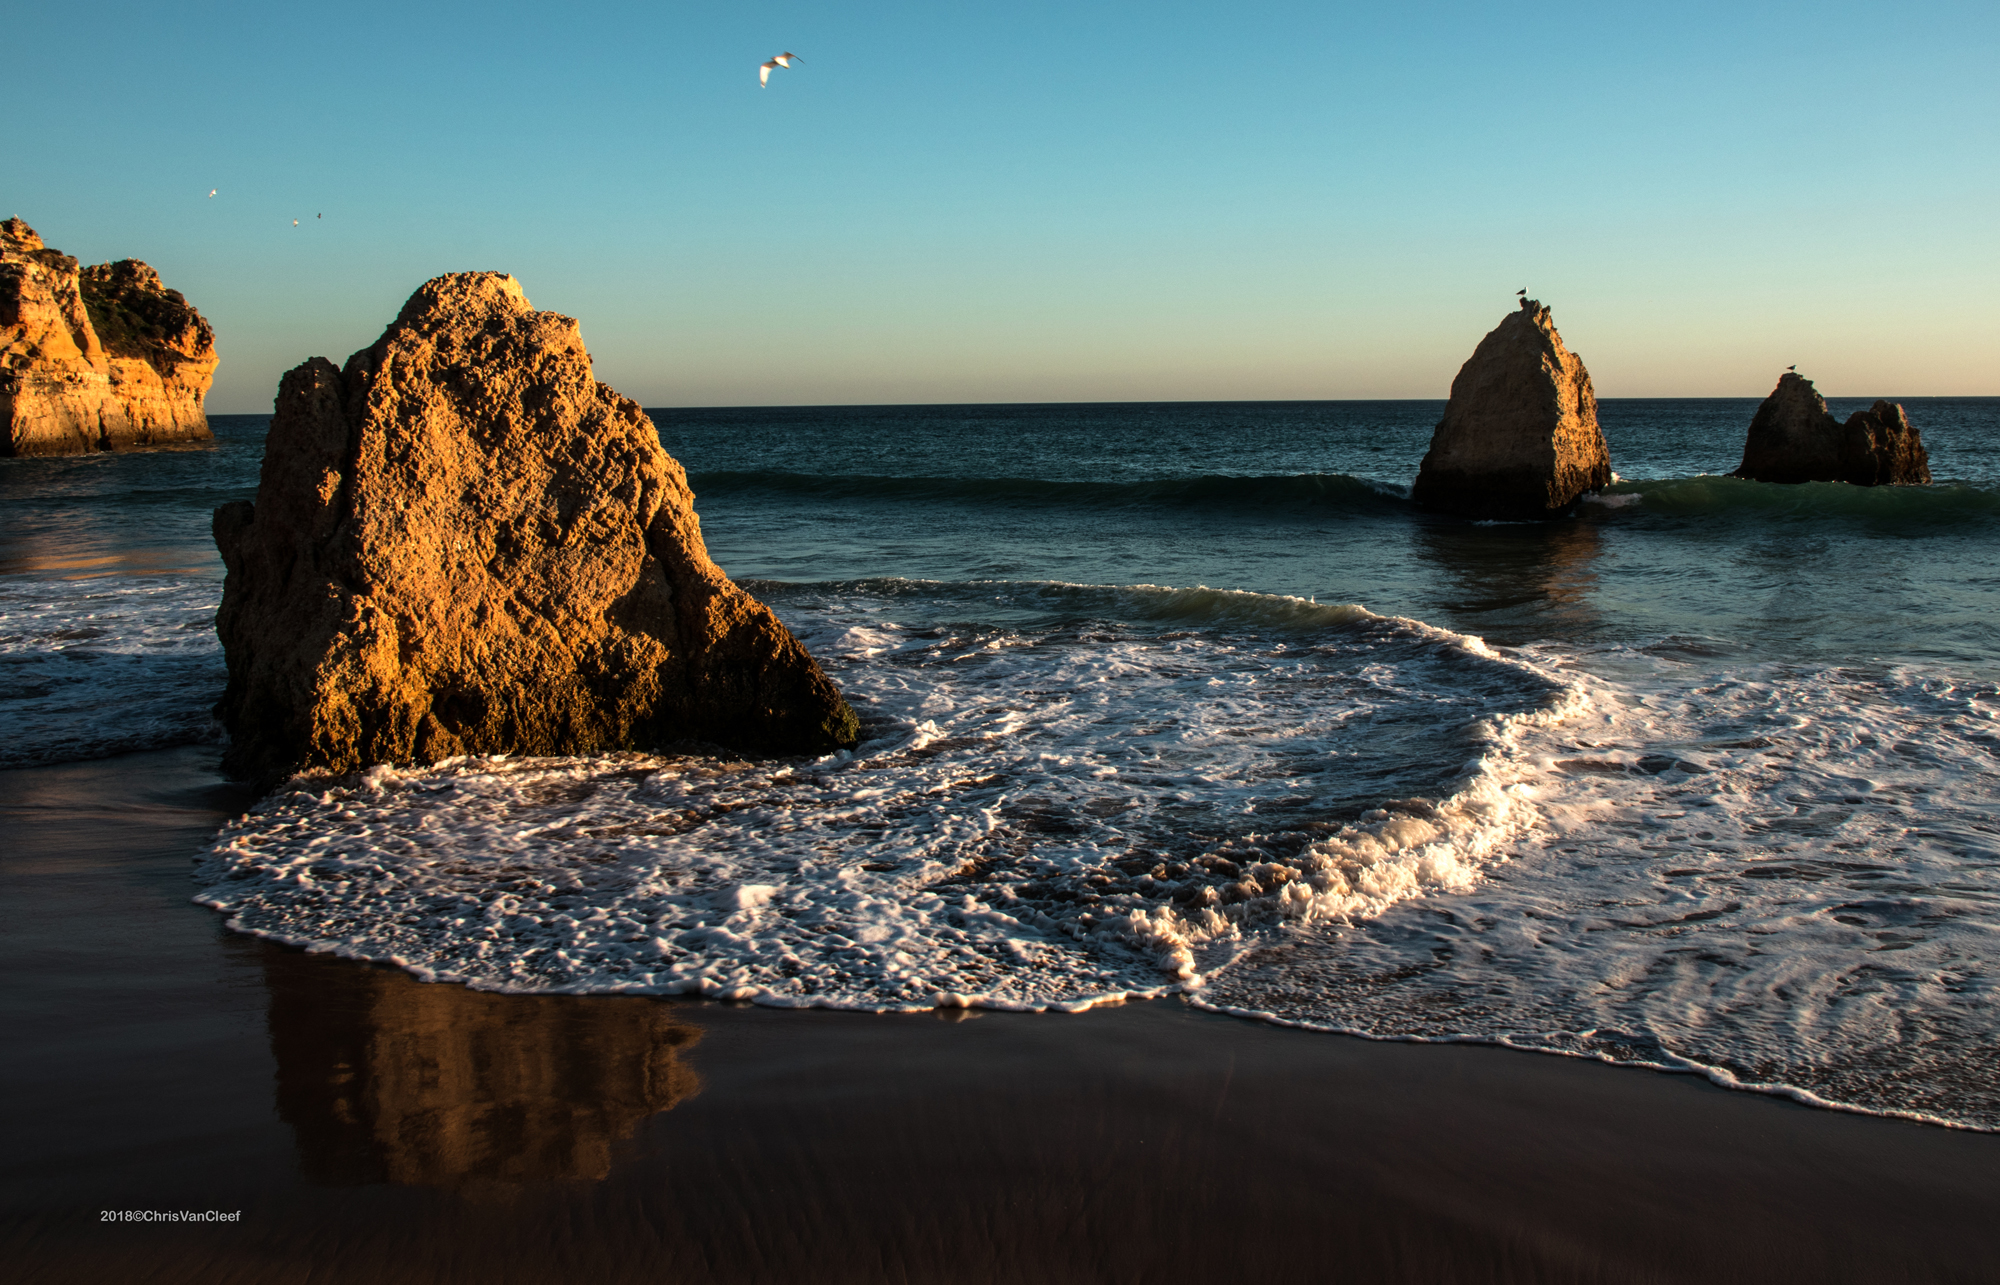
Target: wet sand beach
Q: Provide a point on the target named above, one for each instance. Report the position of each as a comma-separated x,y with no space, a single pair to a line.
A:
370,1128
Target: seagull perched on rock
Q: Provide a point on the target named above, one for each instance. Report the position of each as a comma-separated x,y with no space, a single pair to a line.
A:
764,69
1793,369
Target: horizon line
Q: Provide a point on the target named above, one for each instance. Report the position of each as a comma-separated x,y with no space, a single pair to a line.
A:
1247,401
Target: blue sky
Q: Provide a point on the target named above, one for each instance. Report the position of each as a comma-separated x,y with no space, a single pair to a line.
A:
1036,202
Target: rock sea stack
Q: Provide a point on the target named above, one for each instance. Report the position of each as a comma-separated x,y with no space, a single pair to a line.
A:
463,543
96,359
1519,438
1793,438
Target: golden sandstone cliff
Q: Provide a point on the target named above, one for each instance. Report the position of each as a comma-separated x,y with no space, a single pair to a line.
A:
463,543
95,359
1519,438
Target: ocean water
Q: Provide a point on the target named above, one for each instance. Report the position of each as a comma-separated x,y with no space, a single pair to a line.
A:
1187,699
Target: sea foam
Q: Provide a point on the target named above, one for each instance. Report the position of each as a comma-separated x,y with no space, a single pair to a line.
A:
98,666
1782,876
1112,799
1785,877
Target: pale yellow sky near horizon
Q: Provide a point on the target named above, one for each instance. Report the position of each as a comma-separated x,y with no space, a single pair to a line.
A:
1321,353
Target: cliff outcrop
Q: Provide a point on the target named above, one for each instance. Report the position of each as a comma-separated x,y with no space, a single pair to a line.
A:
1793,438
95,359
1519,438
463,543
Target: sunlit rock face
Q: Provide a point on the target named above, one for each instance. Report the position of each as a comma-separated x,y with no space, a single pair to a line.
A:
1793,438
387,1079
463,543
91,359
1519,438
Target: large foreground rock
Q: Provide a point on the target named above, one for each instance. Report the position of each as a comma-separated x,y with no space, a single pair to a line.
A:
1793,438
1519,438
463,543
96,358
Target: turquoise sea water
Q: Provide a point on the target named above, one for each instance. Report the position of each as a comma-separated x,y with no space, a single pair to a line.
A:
1189,698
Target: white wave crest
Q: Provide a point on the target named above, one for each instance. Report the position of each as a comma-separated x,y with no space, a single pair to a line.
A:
1042,818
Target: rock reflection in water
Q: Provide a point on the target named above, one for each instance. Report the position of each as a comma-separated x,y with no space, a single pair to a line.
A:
1516,582
387,1079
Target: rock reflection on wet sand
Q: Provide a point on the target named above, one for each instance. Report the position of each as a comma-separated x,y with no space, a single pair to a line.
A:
385,1079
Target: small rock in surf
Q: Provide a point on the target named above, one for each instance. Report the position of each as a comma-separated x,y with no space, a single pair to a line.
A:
1792,438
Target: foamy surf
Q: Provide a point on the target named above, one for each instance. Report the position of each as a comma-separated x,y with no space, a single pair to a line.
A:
106,665
1113,799
1785,878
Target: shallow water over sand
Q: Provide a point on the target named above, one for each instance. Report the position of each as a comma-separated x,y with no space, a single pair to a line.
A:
372,1128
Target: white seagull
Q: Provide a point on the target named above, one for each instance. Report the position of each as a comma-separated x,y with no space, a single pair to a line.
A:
211,191
764,68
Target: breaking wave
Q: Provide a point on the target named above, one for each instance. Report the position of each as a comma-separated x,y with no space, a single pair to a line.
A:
95,667
1784,877
1042,815
1722,496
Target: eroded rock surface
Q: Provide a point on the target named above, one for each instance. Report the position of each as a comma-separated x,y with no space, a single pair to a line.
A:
1519,438
98,358
1793,438
464,543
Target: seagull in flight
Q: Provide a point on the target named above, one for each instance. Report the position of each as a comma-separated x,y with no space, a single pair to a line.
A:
295,222
764,69
211,191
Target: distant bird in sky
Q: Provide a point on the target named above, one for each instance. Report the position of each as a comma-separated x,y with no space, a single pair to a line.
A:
295,222
319,216
211,191
764,69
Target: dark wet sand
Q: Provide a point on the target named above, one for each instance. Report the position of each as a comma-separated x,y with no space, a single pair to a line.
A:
372,1129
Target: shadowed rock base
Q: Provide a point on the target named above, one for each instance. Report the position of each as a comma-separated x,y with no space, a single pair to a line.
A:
1793,438
1519,438
464,544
